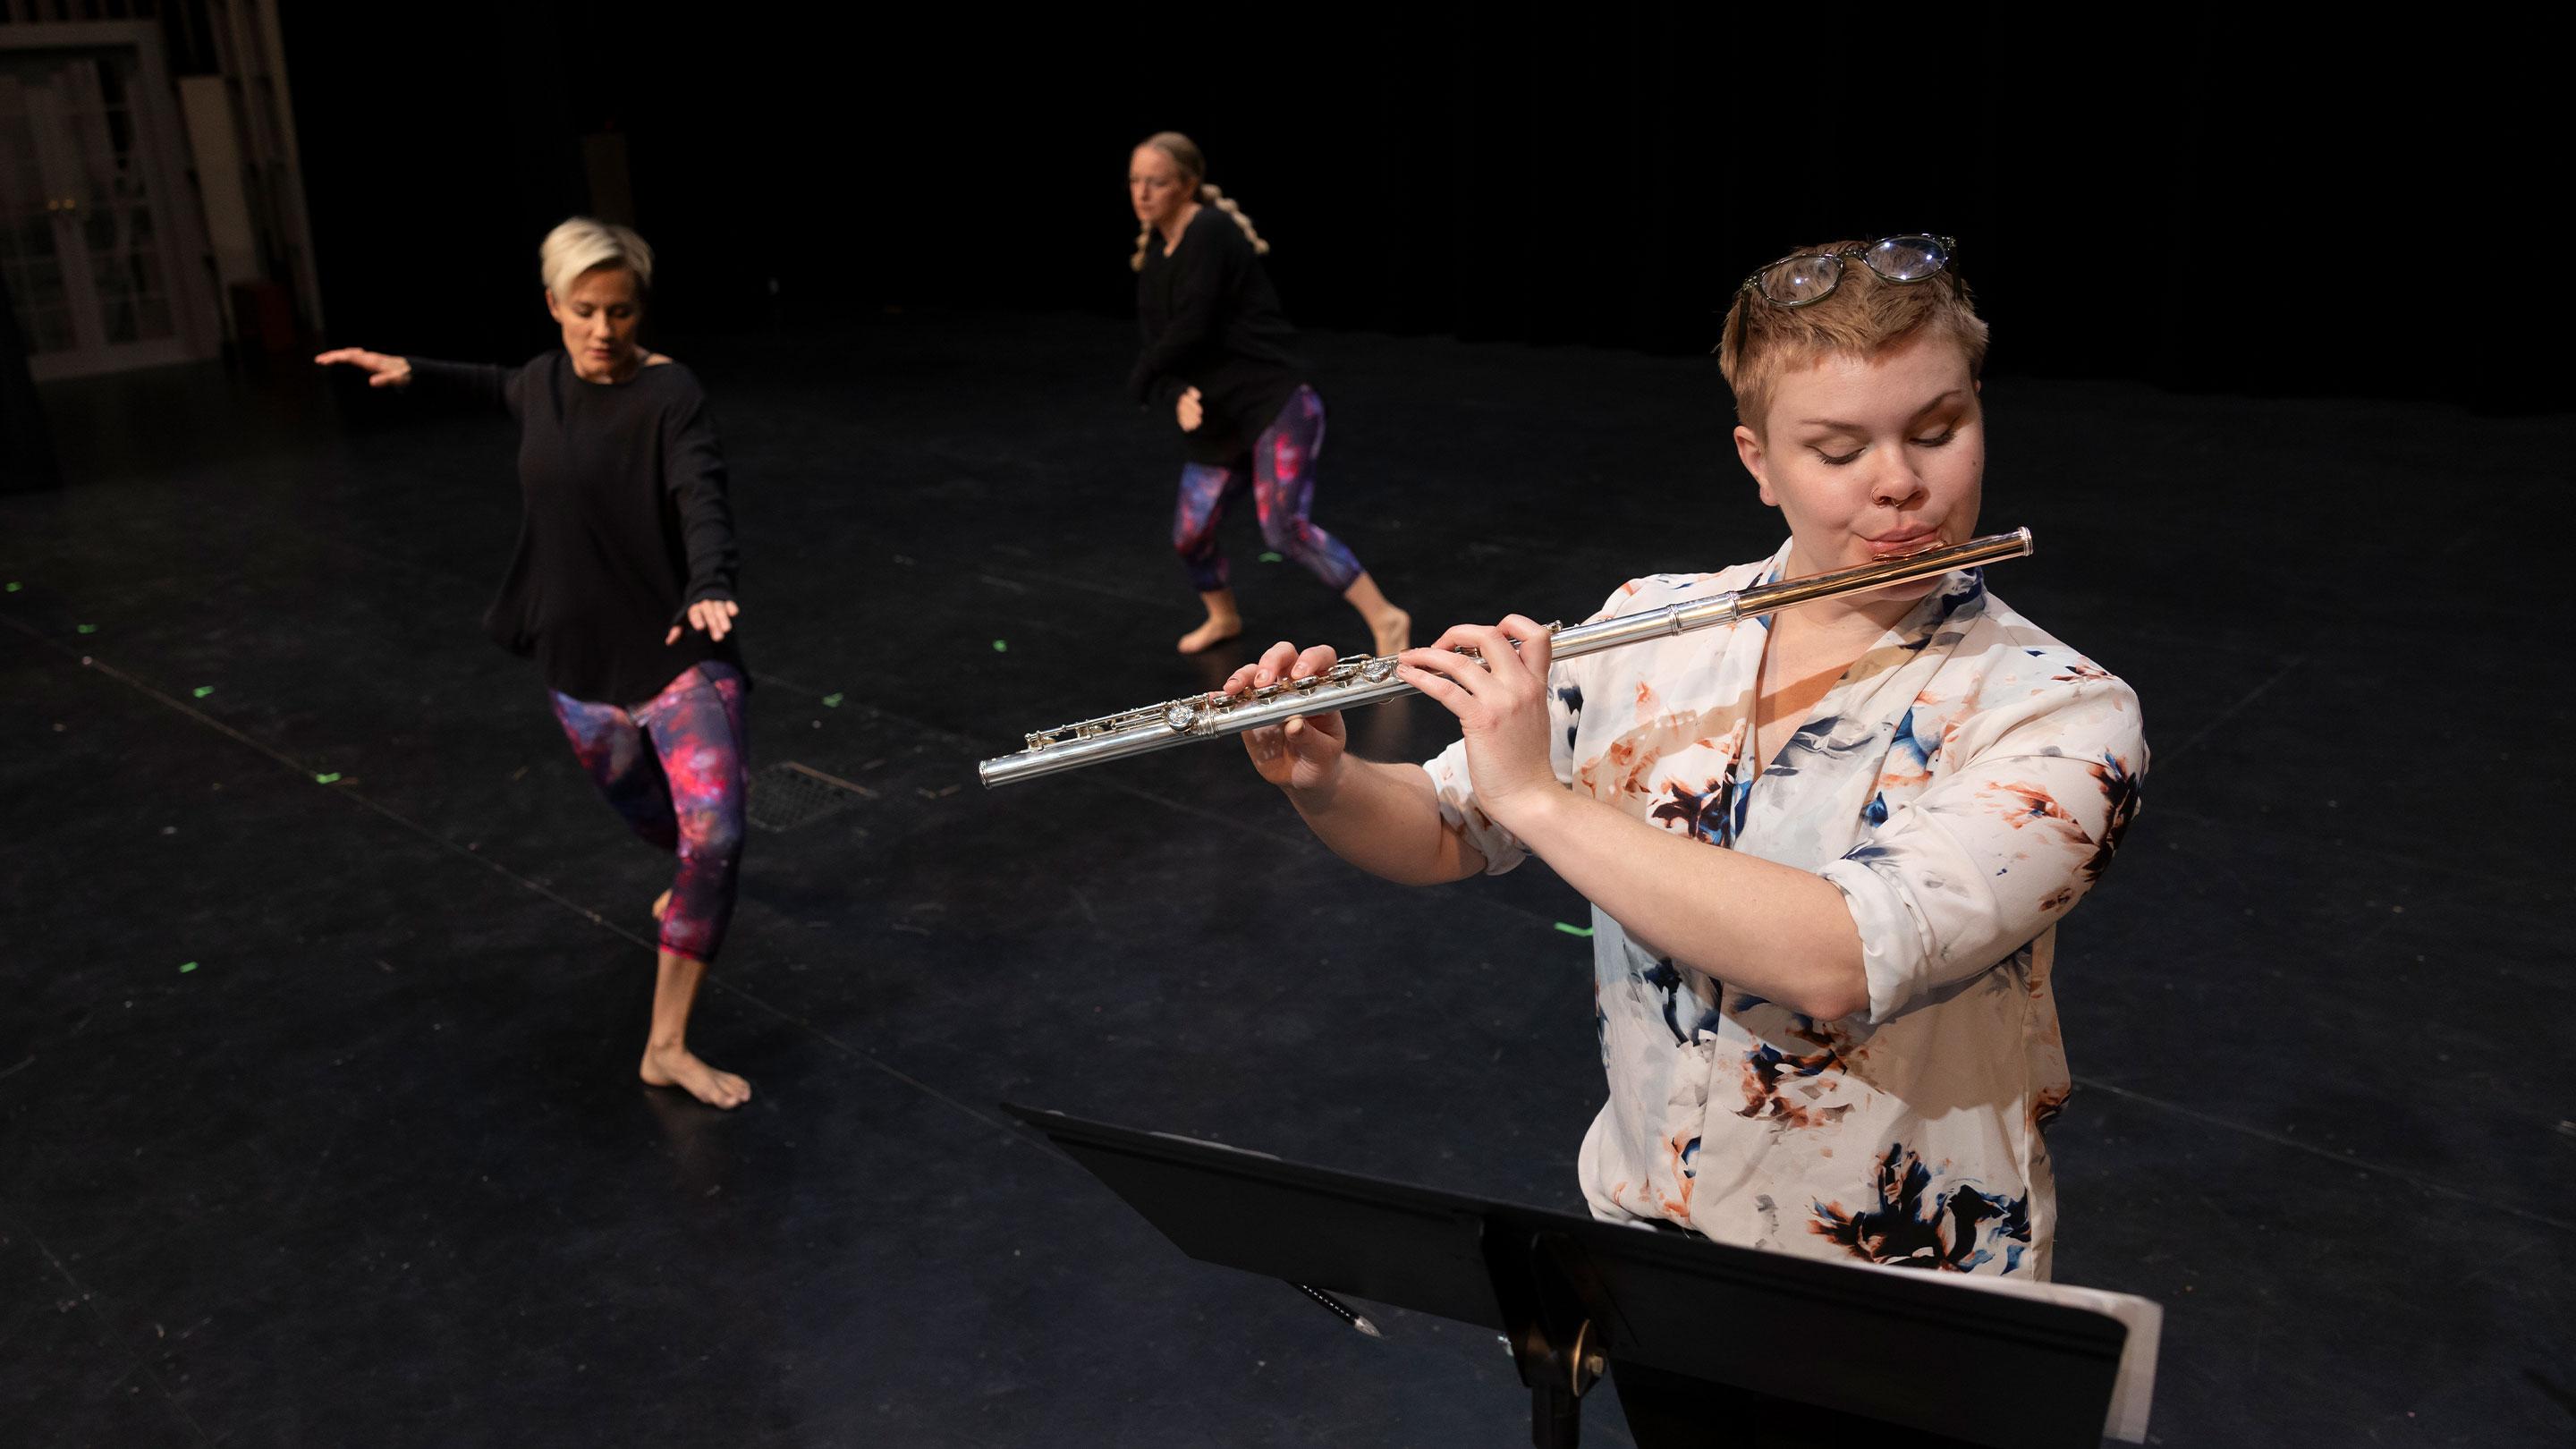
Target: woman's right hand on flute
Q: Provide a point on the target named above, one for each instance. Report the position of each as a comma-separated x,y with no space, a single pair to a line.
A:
1306,752
383,368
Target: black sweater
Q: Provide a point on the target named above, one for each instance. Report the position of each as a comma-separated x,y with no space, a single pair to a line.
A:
623,523
1211,321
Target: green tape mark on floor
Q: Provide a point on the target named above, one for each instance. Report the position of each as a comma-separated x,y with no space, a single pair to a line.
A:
833,701
187,966
330,779
85,628
1001,646
1268,557
13,586
202,690
1572,929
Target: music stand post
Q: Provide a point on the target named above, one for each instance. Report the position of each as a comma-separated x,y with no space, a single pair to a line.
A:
1573,1296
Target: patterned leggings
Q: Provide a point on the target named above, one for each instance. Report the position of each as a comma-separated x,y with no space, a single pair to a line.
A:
674,769
1281,471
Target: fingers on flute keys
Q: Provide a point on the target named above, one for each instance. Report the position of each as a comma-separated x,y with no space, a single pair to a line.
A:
1282,660
1295,752
1474,661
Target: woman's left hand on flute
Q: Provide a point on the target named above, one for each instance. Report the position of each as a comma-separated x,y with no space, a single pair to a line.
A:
1306,752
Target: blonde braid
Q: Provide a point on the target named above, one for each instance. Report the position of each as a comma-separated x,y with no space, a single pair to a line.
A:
1192,165
1222,202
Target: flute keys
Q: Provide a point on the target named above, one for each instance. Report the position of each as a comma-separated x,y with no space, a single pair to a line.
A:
1182,715
1378,669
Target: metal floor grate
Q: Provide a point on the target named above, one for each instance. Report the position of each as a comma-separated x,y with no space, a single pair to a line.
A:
787,795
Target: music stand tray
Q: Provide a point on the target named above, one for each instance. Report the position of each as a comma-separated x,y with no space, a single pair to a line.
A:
2013,1368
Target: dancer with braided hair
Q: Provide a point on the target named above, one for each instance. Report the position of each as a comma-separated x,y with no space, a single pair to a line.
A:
1218,361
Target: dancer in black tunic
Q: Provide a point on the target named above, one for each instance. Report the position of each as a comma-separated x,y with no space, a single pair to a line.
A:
622,591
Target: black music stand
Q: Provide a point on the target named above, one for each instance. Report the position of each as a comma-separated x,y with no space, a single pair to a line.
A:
1739,1327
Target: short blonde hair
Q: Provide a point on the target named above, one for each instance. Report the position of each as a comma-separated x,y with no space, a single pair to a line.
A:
582,244
1863,318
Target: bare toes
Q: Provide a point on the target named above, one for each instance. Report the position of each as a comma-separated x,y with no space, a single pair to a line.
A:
1205,637
683,1070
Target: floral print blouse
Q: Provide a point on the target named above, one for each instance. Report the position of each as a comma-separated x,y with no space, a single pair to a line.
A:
1963,785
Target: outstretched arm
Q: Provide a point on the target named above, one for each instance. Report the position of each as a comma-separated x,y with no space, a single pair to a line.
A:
383,369
482,381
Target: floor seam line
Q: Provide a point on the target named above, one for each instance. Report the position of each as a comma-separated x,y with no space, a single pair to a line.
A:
2224,715
2363,1164
862,1054
142,1361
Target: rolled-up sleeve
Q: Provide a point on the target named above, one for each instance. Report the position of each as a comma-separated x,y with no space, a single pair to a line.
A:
1456,792
1992,853
1456,789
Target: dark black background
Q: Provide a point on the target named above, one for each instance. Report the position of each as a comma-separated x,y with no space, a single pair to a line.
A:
2193,196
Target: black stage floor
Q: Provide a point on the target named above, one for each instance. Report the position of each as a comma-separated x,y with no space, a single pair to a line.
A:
318,1118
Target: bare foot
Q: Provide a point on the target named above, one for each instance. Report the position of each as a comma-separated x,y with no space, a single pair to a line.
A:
678,1067
1210,634
661,903
1394,631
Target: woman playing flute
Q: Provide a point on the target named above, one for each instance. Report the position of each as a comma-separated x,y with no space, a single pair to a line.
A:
1218,361
1826,851
623,591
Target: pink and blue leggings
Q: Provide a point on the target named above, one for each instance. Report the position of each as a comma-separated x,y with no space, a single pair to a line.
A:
674,769
1281,474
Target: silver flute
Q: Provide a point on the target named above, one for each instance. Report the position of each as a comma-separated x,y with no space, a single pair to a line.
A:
1371,678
